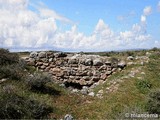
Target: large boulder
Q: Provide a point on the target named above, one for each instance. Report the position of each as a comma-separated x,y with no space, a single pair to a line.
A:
107,62
97,62
33,55
130,58
42,55
73,60
122,64
50,54
88,62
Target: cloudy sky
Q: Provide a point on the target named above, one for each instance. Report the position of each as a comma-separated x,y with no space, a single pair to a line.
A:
79,25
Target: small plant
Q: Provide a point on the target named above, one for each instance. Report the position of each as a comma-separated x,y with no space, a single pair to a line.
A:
153,104
143,85
38,80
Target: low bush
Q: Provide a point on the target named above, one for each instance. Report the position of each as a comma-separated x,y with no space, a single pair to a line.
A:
14,106
153,104
11,66
38,80
14,71
8,58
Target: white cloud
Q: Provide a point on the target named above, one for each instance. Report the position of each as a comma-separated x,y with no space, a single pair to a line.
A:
103,30
23,28
147,10
47,13
143,19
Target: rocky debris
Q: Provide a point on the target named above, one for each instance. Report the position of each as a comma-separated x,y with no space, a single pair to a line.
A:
144,59
122,64
3,80
130,58
79,71
100,94
92,94
74,91
68,117
84,90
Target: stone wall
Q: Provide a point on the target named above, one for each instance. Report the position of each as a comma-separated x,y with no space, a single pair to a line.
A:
76,70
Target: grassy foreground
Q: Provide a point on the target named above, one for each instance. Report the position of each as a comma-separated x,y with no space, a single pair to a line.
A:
18,97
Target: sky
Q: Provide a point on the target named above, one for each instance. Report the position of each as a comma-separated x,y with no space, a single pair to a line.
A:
79,25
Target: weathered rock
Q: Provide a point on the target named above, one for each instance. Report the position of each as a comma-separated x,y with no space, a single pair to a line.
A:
95,79
74,91
55,70
43,67
3,80
84,90
43,60
73,60
97,62
50,55
39,63
68,117
104,76
31,62
130,58
88,62
46,64
33,55
86,78
103,67
50,60
82,82
122,64
108,62
42,55
47,69
81,73
91,94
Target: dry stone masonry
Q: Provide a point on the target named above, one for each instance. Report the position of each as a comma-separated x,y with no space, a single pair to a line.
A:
75,70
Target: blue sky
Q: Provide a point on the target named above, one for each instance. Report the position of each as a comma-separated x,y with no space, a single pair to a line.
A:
79,25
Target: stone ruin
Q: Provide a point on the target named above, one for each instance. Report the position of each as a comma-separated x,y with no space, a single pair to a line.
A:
75,70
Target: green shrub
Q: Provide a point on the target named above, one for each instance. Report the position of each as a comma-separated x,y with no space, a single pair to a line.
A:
153,104
38,80
13,71
143,85
155,55
14,106
8,58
